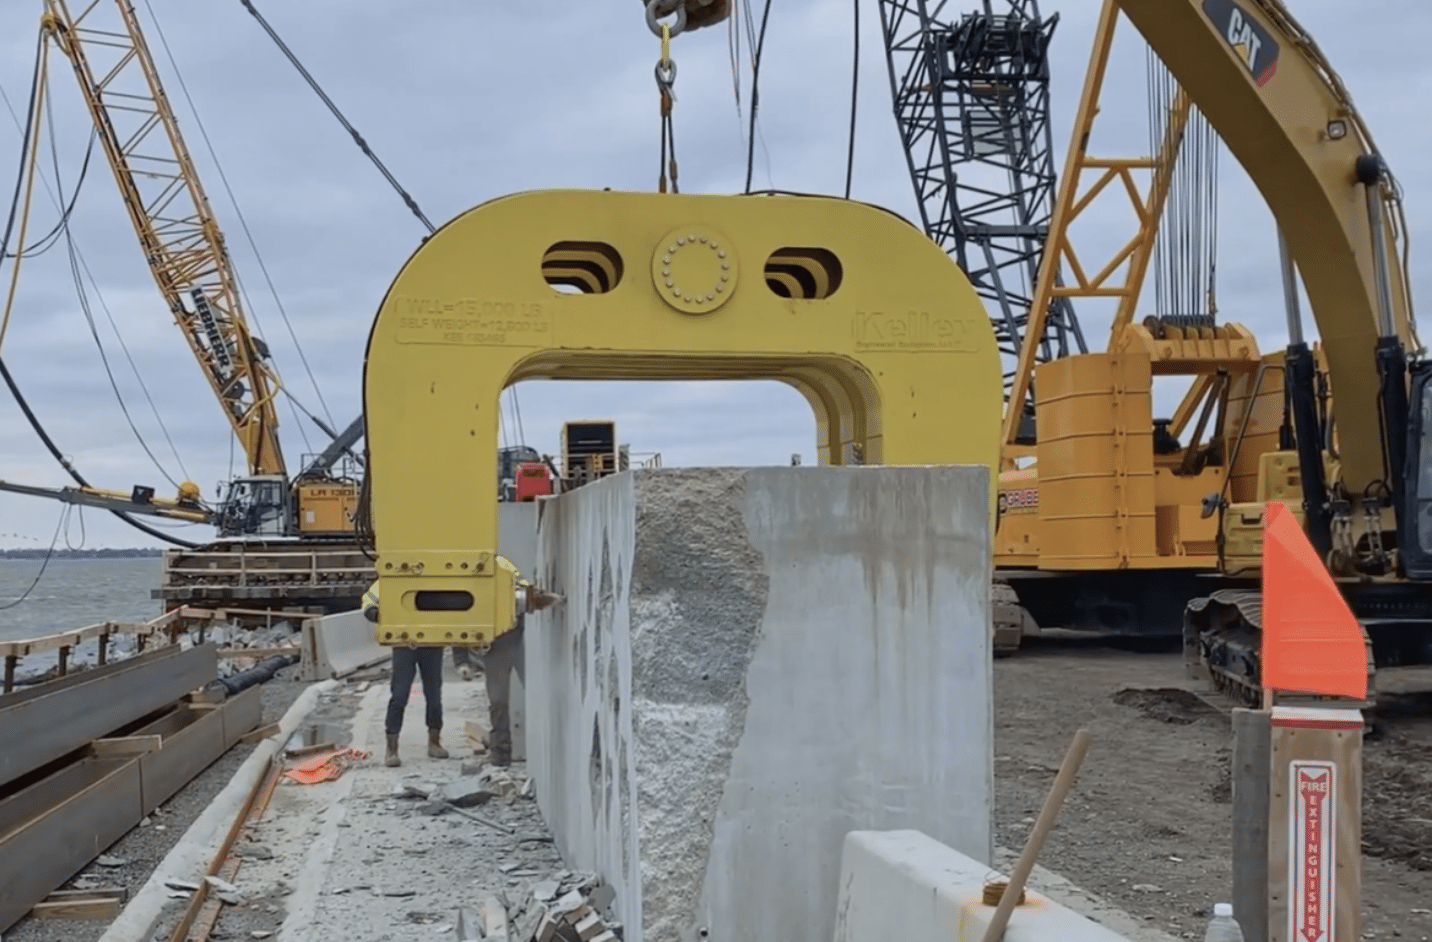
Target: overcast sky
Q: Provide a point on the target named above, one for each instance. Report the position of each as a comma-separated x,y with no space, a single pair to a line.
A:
468,101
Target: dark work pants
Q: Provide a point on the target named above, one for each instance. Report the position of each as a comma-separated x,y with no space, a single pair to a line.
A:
409,661
461,656
497,666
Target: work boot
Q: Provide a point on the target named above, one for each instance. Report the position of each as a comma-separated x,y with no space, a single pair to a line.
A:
435,748
391,758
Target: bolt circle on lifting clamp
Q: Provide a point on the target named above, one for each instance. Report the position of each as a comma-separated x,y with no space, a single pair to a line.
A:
651,17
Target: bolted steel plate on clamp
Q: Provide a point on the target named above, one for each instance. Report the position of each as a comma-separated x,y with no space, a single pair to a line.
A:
694,269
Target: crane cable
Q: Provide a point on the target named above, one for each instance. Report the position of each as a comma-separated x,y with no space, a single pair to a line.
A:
407,198
352,131
755,93
30,143
854,97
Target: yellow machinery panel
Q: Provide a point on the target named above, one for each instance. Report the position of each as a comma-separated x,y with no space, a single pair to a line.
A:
852,306
1017,538
326,508
1095,461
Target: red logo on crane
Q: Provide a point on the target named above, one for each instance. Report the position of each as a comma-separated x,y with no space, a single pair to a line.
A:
1249,39
1310,909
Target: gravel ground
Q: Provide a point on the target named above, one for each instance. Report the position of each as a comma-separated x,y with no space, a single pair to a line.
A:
143,848
354,853
1148,824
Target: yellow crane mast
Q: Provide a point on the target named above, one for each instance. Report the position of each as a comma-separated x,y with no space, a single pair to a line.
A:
182,242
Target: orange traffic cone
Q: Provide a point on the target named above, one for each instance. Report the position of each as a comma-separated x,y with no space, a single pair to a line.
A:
1311,641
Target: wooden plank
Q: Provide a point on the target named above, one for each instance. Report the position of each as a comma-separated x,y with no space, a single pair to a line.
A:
92,907
298,752
1251,765
126,745
234,654
263,732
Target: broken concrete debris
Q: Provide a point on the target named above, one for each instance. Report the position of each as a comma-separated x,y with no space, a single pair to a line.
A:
570,906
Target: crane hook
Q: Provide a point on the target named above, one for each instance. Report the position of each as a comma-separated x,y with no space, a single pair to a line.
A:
651,17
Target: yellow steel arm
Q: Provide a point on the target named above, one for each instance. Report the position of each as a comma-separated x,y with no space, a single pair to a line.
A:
170,213
1284,114
853,307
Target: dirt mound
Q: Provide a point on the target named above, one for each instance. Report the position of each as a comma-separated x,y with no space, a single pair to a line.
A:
1169,705
1397,802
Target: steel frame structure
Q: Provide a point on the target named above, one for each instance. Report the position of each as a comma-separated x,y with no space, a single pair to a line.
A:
971,98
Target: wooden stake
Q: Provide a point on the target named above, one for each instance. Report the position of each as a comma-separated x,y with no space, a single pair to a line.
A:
1073,759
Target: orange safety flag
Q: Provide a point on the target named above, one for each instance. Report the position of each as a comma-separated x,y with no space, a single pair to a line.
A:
1311,641
325,767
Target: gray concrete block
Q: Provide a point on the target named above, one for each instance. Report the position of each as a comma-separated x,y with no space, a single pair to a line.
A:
750,664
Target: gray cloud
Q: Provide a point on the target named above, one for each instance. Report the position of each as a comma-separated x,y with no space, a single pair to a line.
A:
465,102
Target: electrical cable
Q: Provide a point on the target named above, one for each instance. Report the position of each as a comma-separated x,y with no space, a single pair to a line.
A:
45,564
755,94
854,97
39,246
5,372
28,165
24,148
70,468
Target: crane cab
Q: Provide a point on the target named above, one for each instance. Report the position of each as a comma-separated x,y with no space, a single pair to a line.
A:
258,506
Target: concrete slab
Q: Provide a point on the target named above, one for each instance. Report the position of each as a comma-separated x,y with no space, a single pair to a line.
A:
904,885
751,663
335,646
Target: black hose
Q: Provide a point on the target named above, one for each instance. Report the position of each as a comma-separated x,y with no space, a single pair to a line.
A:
79,478
262,672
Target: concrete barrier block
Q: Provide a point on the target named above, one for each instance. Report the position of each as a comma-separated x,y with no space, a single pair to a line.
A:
751,663
337,645
905,885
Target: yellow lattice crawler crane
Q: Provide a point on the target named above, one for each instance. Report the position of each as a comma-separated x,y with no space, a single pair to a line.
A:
1119,525
187,256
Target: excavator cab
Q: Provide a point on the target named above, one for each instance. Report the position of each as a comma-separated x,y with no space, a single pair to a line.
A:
1416,544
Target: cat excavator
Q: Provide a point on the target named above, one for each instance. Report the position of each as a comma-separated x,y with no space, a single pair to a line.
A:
1339,429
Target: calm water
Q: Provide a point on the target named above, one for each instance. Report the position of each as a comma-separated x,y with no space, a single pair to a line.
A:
75,592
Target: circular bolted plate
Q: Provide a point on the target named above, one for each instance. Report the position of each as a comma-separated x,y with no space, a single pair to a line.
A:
694,269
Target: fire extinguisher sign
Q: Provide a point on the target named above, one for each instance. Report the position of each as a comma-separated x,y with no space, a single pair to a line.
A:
1312,850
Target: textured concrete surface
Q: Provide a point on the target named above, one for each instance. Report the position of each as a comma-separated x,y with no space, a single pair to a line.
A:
750,664
904,885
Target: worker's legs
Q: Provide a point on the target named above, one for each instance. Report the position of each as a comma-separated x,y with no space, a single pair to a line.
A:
430,667
502,658
405,665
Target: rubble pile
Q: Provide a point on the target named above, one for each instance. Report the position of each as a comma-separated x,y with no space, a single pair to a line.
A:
569,906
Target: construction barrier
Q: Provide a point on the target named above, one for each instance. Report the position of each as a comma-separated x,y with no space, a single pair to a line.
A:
335,646
904,885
